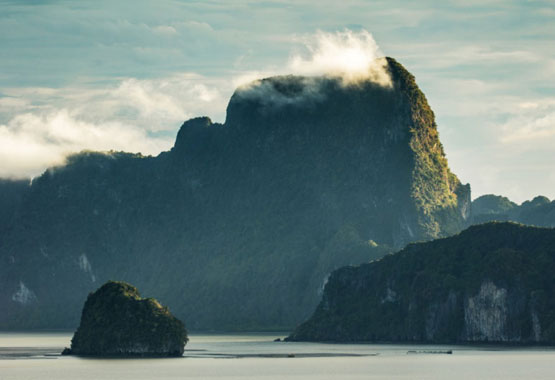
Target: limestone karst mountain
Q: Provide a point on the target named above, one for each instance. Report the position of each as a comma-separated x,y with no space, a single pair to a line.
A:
239,225
490,283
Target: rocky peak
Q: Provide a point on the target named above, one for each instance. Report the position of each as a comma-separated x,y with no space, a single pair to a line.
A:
303,175
195,136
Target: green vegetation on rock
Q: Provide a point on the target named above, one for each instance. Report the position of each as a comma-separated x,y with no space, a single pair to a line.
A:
439,196
12,193
116,321
240,224
540,211
490,283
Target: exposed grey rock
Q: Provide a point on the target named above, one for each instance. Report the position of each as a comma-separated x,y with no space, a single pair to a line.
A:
491,283
485,315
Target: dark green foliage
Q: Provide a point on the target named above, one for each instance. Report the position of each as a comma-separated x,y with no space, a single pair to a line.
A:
239,225
421,293
116,321
12,193
540,211
492,204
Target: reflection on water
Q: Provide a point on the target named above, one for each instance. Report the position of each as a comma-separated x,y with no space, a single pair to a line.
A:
239,356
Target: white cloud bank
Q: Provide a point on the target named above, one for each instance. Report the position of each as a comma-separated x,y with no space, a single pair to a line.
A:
39,127
29,142
351,55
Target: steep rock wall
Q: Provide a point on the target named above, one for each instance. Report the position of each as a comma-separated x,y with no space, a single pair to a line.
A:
490,283
239,225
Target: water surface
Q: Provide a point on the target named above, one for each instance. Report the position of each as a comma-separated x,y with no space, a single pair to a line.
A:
257,356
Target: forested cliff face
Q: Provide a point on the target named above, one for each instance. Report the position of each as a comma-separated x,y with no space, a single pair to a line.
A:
239,225
490,283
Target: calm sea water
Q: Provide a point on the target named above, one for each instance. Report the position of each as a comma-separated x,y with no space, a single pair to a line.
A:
256,356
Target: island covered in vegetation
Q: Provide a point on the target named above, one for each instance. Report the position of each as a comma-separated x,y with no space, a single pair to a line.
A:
116,321
306,175
490,283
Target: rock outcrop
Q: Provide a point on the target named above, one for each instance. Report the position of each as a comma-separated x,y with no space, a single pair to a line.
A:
116,321
240,224
539,211
491,283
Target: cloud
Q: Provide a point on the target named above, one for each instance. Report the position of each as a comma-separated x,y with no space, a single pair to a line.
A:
532,127
348,54
514,148
351,56
499,52
249,77
153,104
161,104
165,30
29,142
302,91
39,127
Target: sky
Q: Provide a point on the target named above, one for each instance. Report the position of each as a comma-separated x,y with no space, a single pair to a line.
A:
124,75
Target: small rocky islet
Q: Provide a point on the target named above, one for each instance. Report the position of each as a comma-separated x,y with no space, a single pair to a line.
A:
117,321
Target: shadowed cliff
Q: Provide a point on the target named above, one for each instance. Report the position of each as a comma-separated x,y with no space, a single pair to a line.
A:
490,283
239,225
